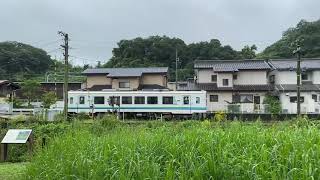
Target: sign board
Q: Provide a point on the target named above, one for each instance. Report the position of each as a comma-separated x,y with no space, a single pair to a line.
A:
16,136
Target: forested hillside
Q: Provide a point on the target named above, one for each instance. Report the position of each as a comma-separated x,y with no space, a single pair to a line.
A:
307,32
18,60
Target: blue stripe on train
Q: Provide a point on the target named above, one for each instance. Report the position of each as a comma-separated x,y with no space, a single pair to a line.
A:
144,108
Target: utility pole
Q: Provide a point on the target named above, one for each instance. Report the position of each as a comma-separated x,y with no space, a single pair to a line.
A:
177,60
65,46
298,52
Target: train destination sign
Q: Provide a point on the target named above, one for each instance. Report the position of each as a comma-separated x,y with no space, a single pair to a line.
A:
16,136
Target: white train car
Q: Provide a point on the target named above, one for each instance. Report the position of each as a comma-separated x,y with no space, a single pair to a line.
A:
170,102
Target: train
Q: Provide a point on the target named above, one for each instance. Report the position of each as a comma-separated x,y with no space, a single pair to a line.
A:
138,103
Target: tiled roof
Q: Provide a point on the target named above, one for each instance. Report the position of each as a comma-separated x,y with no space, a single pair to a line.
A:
291,64
190,86
231,65
125,72
293,87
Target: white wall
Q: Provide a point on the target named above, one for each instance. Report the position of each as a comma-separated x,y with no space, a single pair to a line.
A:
251,77
204,75
308,106
222,76
316,77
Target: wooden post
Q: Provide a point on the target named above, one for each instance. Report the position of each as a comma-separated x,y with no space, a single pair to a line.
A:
4,152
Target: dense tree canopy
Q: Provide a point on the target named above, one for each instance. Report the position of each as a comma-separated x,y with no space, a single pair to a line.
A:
161,51
307,32
19,59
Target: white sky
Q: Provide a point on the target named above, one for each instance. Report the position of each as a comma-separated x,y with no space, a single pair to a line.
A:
95,26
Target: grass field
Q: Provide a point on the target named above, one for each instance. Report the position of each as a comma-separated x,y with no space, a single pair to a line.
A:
9,171
198,150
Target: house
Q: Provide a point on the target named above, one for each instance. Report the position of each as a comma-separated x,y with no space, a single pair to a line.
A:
284,78
126,78
7,88
232,85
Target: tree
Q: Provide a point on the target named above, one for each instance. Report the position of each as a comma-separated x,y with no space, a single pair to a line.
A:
248,52
30,89
273,104
161,51
18,59
48,99
308,31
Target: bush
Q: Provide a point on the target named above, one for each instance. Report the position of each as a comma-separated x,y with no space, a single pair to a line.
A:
220,116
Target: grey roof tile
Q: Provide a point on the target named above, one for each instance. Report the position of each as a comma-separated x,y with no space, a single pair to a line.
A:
191,86
293,87
291,64
125,72
231,65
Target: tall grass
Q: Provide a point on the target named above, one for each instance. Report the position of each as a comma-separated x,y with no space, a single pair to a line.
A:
183,151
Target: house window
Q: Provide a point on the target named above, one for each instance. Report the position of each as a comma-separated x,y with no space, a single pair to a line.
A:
126,100
167,100
98,100
186,100
152,100
246,98
81,100
197,100
315,97
293,99
225,82
213,78
235,76
71,100
304,77
214,98
125,84
139,100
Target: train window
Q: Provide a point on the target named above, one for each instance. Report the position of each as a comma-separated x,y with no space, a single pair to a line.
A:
71,100
139,100
98,100
152,100
81,100
126,100
214,98
114,100
186,100
197,100
167,100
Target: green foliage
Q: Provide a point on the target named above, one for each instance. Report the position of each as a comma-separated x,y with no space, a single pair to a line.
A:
17,103
273,104
30,89
248,52
161,51
234,151
48,99
220,116
18,59
308,32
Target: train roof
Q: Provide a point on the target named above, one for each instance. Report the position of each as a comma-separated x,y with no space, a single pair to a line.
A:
136,92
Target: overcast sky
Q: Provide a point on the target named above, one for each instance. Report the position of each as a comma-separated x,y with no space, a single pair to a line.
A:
95,26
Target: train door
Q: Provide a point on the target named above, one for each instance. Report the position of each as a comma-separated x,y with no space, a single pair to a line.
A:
187,102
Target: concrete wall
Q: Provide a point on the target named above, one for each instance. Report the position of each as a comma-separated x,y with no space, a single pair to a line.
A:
251,77
134,83
222,76
204,75
290,77
225,97
97,80
154,79
308,106
316,77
